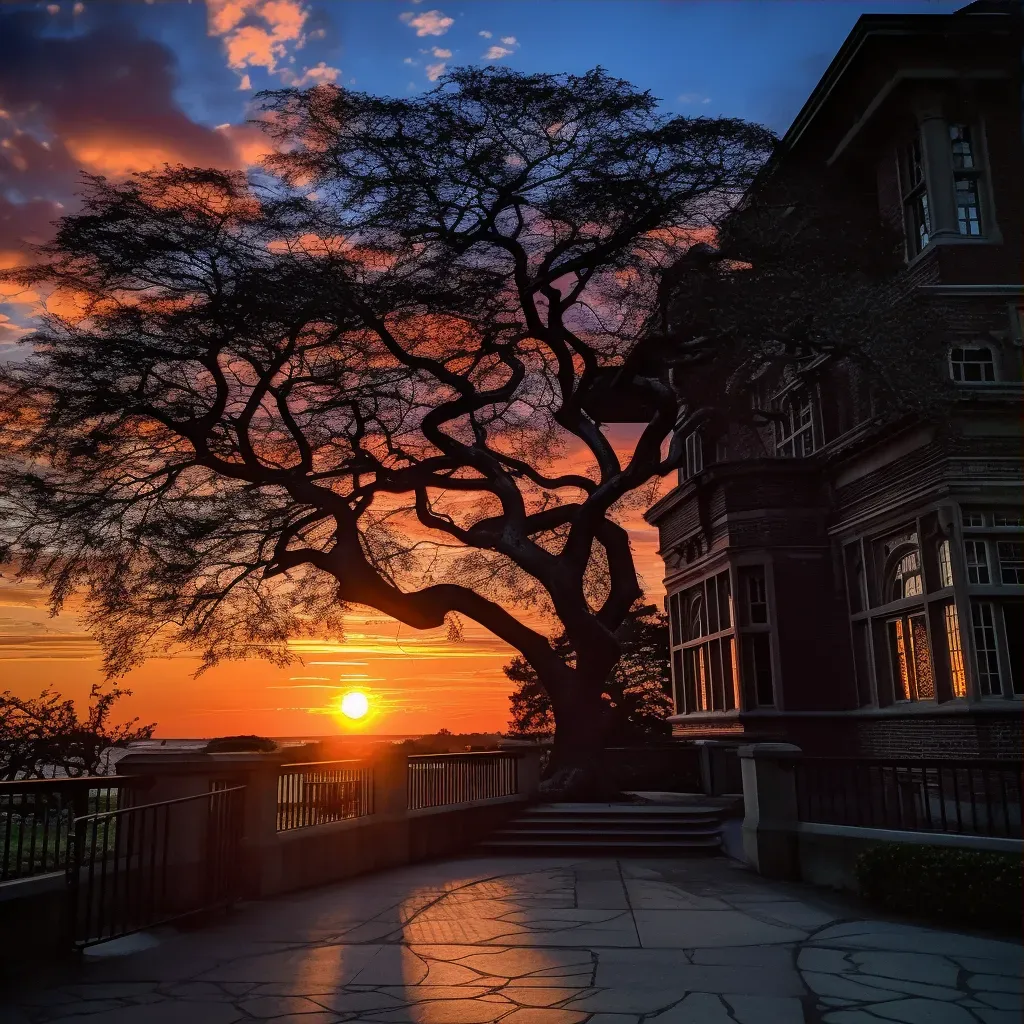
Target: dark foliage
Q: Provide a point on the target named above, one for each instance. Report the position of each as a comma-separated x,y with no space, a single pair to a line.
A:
965,887
40,734
240,745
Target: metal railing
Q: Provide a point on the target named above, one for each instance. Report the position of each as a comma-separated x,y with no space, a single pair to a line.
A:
322,791
437,780
37,818
969,797
141,866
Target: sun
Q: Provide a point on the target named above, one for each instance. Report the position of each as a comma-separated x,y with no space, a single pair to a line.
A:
354,704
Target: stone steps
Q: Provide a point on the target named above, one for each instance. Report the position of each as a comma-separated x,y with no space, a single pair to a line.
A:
611,828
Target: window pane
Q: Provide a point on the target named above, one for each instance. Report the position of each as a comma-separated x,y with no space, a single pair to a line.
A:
724,602
690,681
712,604
956,654
757,669
717,681
673,611
977,561
923,674
960,143
678,683
972,365
1008,519
901,666
945,566
973,519
729,673
1011,561
983,620
968,207
755,601
700,676
1013,623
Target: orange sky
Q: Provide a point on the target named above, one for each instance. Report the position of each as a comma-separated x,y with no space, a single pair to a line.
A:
417,681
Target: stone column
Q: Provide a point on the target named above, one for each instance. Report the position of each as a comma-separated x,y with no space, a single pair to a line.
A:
769,799
938,166
528,771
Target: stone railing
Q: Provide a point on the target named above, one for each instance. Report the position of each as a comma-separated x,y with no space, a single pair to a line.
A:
309,824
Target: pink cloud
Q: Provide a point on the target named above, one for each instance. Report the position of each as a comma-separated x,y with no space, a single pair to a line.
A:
256,32
435,71
496,53
429,23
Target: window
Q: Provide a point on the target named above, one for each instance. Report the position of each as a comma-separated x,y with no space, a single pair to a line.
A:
973,519
965,180
977,561
757,602
945,566
910,658
958,677
1013,627
694,455
705,673
905,575
983,620
757,669
972,364
794,435
1007,519
1011,561
916,211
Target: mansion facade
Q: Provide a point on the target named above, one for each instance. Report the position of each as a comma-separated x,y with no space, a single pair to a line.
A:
855,585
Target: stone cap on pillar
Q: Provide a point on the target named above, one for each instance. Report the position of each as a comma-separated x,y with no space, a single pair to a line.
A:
769,751
170,762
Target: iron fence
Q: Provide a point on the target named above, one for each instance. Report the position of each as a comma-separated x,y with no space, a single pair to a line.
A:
969,797
323,791
37,818
437,780
149,864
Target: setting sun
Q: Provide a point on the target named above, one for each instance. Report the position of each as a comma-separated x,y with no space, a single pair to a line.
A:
354,705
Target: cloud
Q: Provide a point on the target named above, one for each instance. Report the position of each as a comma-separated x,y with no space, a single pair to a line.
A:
496,53
429,23
485,33
244,82
256,33
321,74
693,97
509,40
10,331
435,71
438,51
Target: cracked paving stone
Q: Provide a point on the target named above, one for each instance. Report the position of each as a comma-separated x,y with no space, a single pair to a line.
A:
628,1000
1002,1000
263,1007
844,986
540,1015
699,1008
164,1013
994,983
922,967
766,1009
922,1011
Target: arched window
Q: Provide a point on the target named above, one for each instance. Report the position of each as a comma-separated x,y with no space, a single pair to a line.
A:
903,574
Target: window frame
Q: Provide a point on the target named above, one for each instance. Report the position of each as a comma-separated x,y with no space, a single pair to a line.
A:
975,346
913,182
974,175
792,404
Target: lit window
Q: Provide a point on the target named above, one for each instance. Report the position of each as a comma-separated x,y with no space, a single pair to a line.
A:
983,621
977,561
972,364
917,214
965,181
1011,561
794,434
910,658
905,577
694,455
945,566
956,654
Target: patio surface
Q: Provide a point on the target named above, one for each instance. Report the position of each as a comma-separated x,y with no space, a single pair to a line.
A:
544,941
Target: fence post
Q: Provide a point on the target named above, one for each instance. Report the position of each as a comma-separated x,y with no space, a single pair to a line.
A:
391,784
769,799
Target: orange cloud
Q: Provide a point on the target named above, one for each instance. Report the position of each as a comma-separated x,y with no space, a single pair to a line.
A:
256,32
429,23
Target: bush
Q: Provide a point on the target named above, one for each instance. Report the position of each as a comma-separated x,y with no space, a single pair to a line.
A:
969,887
241,745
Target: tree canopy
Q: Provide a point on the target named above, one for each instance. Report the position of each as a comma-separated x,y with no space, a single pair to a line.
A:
373,373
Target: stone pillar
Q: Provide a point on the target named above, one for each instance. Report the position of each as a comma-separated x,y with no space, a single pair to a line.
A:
769,798
528,771
938,166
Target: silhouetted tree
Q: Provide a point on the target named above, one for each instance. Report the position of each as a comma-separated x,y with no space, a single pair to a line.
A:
376,378
39,735
637,692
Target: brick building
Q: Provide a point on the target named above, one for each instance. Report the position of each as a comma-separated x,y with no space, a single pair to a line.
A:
857,587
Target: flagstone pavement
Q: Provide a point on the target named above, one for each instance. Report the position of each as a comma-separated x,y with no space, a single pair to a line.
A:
544,941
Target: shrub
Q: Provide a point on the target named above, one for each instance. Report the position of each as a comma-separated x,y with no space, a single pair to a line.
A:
241,745
970,887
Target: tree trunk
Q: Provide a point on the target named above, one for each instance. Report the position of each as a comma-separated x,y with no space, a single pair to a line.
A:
582,719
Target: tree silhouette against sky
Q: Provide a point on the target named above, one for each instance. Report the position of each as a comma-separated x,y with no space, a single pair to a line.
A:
375,374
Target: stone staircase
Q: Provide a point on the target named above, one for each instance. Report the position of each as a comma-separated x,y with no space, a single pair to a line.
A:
643,829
